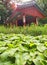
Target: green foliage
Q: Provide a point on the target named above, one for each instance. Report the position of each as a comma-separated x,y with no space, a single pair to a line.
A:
31,30
43,21
42,4
3,13
20,49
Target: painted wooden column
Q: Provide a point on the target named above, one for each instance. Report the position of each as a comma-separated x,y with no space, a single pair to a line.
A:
36,20
24,20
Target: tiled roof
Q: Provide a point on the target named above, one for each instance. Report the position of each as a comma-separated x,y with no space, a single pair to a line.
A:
25,4
29,4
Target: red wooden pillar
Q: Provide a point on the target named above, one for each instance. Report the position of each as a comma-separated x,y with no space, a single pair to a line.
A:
24,20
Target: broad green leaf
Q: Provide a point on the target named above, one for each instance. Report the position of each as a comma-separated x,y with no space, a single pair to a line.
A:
45,53
8,53
37,62
6,63
19,60
41,47
44,62
46,44
3,49
4,56
2,43
10,45
41,57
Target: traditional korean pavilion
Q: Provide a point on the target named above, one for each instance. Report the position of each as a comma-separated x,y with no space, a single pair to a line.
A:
25,14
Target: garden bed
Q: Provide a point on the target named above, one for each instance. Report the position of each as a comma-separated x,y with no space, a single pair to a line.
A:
19,49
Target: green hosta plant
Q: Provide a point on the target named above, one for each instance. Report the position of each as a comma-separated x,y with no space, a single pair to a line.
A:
18,49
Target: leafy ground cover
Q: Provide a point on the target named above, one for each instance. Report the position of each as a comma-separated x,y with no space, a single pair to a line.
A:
19,49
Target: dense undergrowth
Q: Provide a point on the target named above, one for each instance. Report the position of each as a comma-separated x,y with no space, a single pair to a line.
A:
31,30
19,49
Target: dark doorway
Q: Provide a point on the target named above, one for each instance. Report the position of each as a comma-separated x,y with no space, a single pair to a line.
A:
29,20
20,22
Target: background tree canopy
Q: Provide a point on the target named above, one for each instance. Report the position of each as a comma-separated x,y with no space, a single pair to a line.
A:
42,4
3,13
